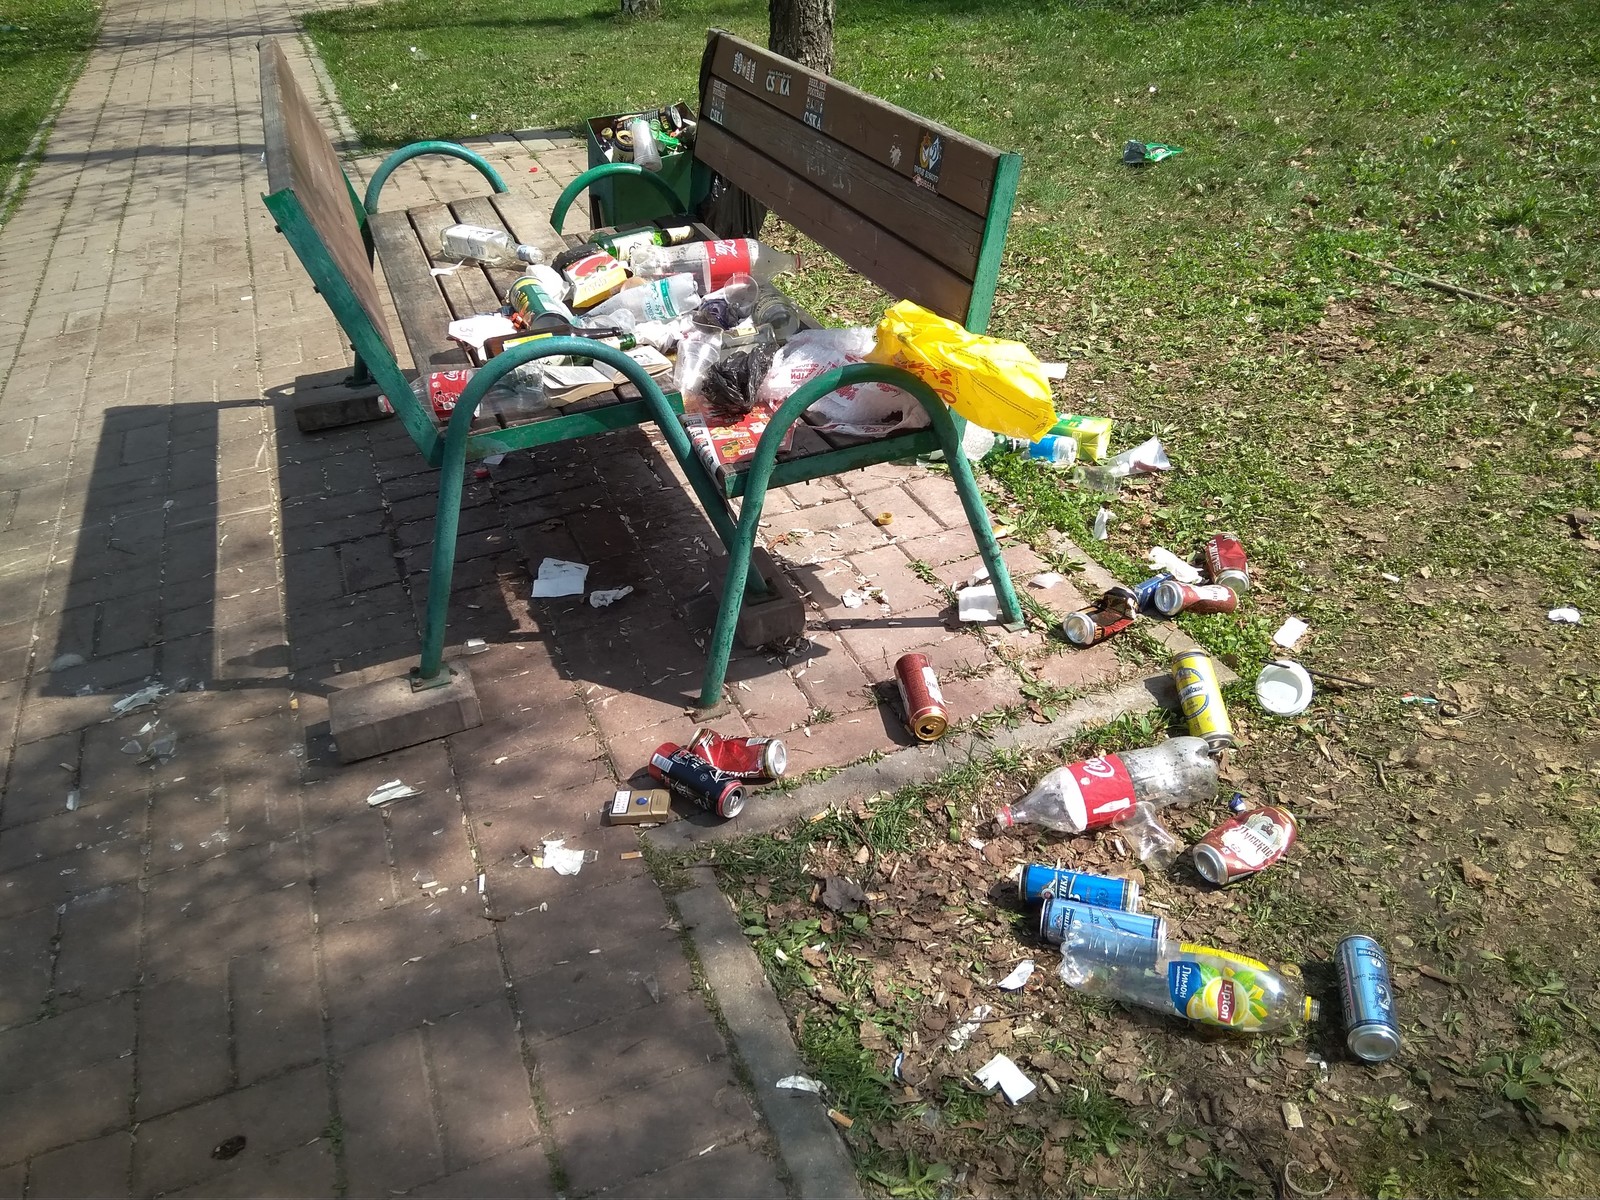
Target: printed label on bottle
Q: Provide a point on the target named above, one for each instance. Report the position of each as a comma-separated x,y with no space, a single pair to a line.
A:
726,259
1226,991
658,305
1105,787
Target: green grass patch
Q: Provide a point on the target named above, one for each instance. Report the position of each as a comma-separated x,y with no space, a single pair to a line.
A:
43,43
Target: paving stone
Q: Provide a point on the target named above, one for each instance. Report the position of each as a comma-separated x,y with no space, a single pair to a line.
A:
630,1052
602,1144
304,1171
184,1051
391,1133
182,934
99,950
557,1000
732,1171
521,1172
68,1043
277,1020
480,1084
363,1008
276,1115
98,1167
26,952
66,1108
847,739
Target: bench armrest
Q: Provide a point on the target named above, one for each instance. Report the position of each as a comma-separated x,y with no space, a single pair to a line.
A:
571,192
416,150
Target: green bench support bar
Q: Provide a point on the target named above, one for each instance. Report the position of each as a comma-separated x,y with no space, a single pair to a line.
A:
417,150
759,475
558,214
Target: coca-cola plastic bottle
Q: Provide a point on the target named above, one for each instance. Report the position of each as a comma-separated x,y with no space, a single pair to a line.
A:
712,263
1092,794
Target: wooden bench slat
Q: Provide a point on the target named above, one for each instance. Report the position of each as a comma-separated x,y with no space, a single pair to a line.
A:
424,316
526,221
466,290
478,211
886,132
938,227
894,265
301,158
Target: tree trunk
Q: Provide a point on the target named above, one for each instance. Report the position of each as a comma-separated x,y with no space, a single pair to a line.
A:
802,30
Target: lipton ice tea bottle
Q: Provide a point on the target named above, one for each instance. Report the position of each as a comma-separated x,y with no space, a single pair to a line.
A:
1200,983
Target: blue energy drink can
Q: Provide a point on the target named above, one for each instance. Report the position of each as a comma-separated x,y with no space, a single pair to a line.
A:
1145,593
1047,883
1371,1032
1087,923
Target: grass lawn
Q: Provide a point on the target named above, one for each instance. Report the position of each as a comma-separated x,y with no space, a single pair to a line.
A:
42,45
1416,474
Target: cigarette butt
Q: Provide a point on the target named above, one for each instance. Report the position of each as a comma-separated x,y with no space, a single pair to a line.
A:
631,854
839,1119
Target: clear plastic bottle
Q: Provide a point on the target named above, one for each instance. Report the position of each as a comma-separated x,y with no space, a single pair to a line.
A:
1052,449
730,303
1092,794
1200,983
646,155
656,300
492,247
713,263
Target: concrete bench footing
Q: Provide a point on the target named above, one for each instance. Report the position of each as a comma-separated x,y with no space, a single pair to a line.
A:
377,718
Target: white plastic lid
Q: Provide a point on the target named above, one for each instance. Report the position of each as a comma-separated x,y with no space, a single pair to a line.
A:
1284,688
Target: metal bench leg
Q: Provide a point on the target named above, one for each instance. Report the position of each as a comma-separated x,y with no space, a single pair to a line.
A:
982,528
740,546
452,477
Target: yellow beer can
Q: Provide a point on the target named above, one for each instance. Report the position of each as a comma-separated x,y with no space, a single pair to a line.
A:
1200,696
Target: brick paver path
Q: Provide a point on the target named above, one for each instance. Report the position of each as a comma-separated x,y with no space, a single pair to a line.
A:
207,938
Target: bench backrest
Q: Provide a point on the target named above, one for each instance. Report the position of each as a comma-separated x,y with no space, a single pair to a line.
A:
916,207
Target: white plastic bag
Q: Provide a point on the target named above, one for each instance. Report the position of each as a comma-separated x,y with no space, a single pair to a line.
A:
870,409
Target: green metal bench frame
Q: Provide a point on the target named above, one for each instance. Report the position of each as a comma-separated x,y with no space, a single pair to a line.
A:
450,450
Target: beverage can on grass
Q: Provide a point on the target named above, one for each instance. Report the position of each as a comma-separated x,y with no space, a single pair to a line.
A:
1057,917
1245,844
1226,562
1172,598
1041,883
1200,696
1371,1031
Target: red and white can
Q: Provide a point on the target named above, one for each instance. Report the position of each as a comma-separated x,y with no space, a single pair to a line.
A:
1172,598
1226,562
758,759
1245,844
921,697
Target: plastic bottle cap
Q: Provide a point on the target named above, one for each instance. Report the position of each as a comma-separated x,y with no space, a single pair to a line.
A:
1284,688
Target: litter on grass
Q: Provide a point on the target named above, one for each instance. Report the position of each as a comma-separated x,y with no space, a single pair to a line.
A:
1566,615
1020,974
964,1032
1290,633
1164,560
1000,1072
385,793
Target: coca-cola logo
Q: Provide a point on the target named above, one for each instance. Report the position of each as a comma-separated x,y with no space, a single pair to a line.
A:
1092,769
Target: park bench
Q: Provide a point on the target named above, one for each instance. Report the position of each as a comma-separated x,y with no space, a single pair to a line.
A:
915,207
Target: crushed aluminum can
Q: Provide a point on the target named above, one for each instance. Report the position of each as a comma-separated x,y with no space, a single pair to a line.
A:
1227,563
754,759
691,778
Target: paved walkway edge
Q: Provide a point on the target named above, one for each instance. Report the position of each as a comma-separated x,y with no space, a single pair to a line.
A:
817,1160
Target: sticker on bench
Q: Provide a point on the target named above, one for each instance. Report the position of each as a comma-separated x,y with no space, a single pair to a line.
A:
929,154
816,95
719,98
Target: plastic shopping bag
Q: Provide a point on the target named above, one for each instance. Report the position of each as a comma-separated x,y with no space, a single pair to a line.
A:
861,409
996,384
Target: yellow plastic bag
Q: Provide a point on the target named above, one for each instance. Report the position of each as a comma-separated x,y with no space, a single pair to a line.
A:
998,385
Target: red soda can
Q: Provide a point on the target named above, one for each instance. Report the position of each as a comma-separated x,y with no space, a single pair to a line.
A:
754,758
920,695
1172,598
691,778
1226,562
